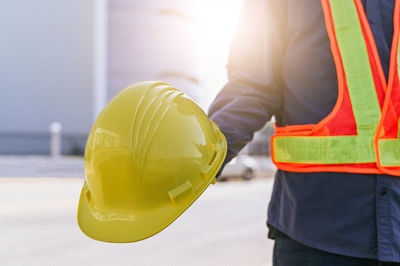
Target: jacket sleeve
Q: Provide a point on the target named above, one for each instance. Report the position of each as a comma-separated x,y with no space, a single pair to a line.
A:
254,91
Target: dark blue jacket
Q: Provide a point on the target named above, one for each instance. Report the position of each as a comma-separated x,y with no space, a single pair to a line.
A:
281,65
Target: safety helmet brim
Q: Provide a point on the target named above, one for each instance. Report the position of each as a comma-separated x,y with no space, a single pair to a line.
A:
142,227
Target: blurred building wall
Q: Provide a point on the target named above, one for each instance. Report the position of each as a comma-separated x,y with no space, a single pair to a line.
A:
50,70
153,40
63,60
46,73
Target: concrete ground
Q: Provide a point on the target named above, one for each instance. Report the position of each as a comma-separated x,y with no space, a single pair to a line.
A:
226,226
41,166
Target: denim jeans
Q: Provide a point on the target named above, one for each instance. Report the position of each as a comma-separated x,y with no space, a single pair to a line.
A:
288,252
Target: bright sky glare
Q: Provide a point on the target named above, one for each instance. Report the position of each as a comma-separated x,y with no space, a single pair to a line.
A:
216,23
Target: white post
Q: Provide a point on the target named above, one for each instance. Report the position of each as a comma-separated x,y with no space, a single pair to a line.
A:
55,139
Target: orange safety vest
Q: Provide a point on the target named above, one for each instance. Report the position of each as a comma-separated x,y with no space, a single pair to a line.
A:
361,134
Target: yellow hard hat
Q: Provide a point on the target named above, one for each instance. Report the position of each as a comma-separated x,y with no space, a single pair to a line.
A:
150,154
